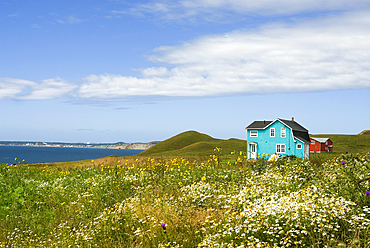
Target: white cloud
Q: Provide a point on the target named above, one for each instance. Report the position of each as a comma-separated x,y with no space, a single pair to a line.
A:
324,54
50,89
13,88
173,83
211,9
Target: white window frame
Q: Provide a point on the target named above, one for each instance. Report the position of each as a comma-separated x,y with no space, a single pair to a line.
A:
272,132
253,133
313,142
280,148
283,132
299,146
253,148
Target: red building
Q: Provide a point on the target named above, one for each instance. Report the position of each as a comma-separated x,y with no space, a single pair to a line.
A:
321,145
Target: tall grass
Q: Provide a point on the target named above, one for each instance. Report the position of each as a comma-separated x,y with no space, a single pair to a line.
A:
215,201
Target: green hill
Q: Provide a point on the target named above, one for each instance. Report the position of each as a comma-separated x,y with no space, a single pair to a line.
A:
352,143
193,143
365,132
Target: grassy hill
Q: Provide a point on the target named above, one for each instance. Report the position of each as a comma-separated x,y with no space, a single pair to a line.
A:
192,143
352,143
365,132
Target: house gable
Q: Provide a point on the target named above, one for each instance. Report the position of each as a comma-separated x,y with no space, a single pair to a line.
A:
321,140
298,131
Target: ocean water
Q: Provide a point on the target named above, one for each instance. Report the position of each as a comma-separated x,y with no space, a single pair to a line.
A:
33,154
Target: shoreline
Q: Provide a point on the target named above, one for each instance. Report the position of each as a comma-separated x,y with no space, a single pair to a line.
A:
131,146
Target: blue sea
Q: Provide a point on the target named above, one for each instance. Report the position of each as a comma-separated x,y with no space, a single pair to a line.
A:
33,154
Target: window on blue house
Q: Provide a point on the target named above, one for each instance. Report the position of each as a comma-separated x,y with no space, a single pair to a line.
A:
254,133
272,132
280,148
283,132
253,148
299,146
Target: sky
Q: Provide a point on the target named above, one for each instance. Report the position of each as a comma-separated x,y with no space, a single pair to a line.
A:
141,71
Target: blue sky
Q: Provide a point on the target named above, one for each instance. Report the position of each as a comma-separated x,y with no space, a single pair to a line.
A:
139,71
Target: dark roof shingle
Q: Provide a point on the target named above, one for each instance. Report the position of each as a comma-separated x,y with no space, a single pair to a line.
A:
293,125
302,135
259,124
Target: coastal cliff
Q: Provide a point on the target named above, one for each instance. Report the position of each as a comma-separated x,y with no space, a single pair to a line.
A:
135,146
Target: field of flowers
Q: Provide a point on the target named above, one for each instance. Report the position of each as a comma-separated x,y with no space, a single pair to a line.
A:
221,201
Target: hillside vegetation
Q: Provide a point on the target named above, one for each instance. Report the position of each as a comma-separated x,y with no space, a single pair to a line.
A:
365,132
177,202
351,143
193,143
216,200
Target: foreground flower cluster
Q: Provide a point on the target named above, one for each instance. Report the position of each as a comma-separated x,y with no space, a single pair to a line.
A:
177,202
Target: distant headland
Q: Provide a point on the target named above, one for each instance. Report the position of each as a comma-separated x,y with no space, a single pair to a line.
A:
117,145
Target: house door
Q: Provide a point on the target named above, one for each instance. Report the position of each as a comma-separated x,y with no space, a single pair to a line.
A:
253,150
306,151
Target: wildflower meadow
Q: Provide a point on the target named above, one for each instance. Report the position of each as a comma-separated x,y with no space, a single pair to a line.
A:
222,200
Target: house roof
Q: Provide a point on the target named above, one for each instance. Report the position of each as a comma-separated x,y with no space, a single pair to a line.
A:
299,132
294,125
259,124
301,135
321,140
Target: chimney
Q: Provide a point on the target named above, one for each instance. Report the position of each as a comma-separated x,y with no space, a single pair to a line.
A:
292,118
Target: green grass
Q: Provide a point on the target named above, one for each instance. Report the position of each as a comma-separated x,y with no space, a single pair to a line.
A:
350,143
206,197
122,202
365,132
342,144
192,143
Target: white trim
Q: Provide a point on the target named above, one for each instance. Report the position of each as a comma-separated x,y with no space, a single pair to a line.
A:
293,137
272,122
320,140
252,155
280,148
301,140
281,132
272,129
262,128
254,131
306,151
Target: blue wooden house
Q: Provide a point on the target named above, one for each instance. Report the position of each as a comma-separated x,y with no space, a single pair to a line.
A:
285,137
